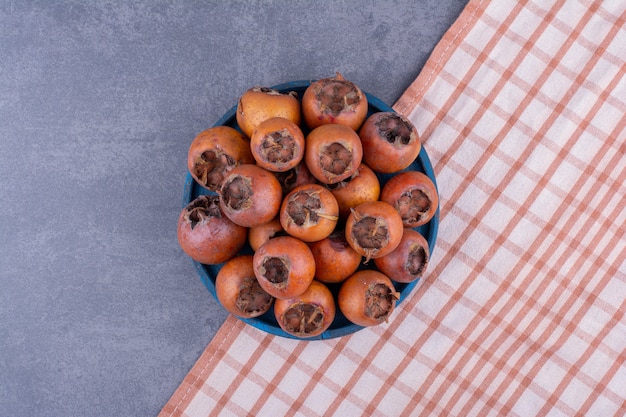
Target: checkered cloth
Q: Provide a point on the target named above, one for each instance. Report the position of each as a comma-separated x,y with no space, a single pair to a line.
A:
521,109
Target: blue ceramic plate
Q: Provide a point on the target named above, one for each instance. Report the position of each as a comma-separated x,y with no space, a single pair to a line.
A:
340,326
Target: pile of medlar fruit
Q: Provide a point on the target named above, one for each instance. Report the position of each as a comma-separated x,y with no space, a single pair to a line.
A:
298,184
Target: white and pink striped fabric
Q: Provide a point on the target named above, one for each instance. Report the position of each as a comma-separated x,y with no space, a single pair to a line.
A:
522,110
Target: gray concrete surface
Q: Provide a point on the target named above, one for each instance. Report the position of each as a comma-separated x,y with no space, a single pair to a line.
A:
101,314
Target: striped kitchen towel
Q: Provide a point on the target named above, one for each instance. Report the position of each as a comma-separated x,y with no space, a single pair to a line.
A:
522,110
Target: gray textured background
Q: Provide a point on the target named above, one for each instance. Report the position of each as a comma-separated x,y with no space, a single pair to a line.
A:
101,314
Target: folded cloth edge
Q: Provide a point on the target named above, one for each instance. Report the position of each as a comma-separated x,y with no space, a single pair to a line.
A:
192,382
450,40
